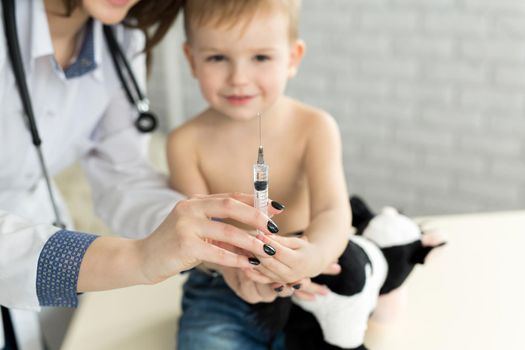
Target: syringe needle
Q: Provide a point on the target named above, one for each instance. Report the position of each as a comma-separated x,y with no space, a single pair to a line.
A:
260,131
260,178
260,153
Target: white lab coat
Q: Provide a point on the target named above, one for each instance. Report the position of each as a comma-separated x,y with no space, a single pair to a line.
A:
86,118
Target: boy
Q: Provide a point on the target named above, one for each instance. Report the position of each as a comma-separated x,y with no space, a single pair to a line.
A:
242,52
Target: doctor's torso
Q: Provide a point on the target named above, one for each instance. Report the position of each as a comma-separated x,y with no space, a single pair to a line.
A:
67,110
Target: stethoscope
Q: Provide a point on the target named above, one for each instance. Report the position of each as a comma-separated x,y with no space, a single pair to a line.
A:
145,122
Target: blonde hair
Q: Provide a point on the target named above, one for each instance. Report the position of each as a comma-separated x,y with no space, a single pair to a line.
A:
228,13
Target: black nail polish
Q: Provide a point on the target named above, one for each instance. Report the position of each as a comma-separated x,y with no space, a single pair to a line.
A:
277,205
272,227
297,286
253,260
268,249
279,289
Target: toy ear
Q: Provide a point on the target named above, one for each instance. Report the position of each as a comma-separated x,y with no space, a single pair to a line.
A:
361,214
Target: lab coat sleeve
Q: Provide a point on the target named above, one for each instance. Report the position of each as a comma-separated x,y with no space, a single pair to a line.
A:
38,265
128,194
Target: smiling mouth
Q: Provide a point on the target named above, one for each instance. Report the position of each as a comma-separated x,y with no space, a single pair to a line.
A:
238,100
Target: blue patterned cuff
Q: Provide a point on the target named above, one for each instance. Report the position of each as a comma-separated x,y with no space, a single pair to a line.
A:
58,268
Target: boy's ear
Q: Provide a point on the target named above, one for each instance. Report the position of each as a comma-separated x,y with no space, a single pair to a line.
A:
189,56
297,50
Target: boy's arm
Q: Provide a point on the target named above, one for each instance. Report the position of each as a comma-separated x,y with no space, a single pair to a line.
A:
330,218
183,164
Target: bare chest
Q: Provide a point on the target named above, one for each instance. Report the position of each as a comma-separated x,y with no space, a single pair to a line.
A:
227,167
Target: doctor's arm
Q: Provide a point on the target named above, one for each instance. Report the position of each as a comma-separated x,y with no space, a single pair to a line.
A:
180,243
40,266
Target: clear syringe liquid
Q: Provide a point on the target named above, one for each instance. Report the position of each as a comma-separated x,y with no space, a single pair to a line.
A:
260,183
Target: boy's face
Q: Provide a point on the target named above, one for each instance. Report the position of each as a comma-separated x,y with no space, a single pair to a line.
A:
243,70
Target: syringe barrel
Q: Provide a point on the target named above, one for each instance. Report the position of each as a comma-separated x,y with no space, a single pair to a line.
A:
260,187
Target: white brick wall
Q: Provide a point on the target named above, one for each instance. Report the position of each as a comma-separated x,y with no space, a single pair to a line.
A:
429,96
434,115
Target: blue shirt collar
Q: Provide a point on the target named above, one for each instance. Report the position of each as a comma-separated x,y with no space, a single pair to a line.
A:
85,61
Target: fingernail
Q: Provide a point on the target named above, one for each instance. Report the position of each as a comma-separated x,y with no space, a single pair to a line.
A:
277,205
297,286
272,227
279,289
268,249
254,261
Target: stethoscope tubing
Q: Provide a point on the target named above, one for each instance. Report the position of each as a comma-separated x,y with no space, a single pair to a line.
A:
18,70
146,121
15,56
119,58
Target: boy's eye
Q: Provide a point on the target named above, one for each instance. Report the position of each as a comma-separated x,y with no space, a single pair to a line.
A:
215,58
262,58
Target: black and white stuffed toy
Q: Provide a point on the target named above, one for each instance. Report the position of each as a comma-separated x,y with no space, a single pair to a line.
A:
376,262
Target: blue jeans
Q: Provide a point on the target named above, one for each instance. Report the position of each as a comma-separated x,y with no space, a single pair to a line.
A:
215,318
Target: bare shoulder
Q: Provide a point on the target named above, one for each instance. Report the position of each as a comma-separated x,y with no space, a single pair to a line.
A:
312,121
187,133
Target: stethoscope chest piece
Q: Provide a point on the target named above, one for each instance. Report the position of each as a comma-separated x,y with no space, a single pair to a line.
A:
146,122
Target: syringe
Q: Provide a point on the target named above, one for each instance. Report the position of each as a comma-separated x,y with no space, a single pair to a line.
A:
260,179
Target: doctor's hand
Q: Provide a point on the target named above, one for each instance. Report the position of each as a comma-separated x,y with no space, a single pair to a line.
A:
247,289
310,290
294,260
188,236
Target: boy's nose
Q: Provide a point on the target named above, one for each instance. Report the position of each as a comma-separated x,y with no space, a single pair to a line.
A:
239,75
